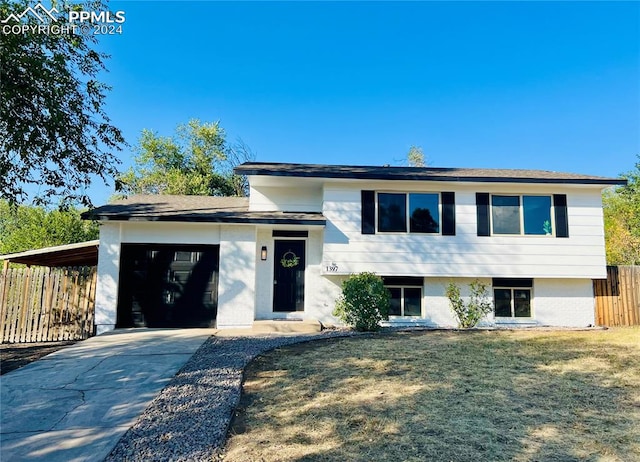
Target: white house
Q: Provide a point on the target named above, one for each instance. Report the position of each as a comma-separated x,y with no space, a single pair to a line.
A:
535,237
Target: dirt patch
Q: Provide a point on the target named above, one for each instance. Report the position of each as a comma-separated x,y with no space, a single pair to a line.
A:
16,355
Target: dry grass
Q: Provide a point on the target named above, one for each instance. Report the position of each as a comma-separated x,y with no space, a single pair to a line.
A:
445,396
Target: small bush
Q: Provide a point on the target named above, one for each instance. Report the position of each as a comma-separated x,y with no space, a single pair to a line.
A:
364,302
469,314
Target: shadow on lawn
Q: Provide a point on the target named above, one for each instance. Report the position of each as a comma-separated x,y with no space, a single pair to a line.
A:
459,396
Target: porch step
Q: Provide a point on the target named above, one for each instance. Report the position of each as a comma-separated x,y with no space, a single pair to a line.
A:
299,326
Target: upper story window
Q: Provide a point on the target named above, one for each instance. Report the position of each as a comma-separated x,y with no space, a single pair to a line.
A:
415,212
530,215
408,212
522,215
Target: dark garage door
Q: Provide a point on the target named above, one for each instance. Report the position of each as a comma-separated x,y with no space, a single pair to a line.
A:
168,285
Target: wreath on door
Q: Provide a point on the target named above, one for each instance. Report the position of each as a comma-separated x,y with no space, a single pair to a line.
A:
289,260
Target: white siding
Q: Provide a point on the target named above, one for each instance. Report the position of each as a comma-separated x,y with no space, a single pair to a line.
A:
170,233
264,275
320,292
466,254
563,302
108,272
236,286
298,199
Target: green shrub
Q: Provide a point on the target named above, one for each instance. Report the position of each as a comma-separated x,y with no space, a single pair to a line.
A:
364,302
469,314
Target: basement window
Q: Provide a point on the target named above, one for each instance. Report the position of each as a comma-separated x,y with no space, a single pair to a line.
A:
512,297
406,295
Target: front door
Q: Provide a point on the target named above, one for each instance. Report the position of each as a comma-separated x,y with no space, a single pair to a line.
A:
288,276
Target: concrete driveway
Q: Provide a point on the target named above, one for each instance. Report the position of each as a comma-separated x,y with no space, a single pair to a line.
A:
75,404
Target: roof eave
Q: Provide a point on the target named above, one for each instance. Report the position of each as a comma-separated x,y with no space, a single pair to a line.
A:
81,253
440,178
213,219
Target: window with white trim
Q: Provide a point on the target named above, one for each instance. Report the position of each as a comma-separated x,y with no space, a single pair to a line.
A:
512,298
521,215
406,295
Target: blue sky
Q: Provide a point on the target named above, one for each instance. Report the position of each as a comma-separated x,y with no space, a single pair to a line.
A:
542,85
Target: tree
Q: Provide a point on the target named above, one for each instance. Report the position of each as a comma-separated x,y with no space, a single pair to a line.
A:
27,227
621,208
197,160
415,157
237,154
54,132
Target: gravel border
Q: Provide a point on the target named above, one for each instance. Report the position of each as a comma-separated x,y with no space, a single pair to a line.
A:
189,419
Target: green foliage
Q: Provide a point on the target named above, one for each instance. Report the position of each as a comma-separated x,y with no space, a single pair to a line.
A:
621,208
470,313
25,227
197,160
55,136
364,302
415,157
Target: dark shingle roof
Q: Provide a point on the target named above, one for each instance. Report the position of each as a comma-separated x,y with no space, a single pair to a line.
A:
483,175
196,209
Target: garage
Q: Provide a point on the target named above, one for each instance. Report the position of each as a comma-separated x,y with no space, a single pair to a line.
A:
168,285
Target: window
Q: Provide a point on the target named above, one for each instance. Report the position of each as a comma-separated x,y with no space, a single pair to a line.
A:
182,256
406,295
505,213
515,214
420,213
405,301
537,214
392,212
423,216
512,298
423,209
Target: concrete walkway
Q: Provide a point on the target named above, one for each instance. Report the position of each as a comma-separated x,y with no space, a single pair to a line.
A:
75,404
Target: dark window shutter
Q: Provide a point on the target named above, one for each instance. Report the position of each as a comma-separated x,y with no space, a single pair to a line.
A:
368,212
482,212
562,220
448,214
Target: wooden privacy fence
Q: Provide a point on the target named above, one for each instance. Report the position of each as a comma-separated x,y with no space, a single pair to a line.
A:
618,297
42,304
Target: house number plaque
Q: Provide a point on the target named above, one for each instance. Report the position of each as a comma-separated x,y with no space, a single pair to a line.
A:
331,268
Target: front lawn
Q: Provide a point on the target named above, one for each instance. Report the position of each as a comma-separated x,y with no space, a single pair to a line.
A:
445,396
